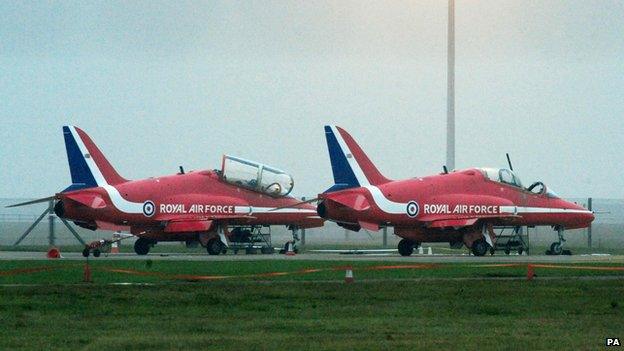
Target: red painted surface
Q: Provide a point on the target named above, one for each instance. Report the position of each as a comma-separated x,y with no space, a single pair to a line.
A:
175,207
450,206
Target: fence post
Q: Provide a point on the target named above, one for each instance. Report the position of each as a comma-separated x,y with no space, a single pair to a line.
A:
385,237
303,229
589,229
51,218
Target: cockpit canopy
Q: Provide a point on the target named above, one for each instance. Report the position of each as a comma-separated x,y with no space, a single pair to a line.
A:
506,176
502,175
256,176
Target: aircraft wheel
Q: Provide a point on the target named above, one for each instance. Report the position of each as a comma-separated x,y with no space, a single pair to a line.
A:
215,246
556,248
96,253
142,246
267,250
520,251
406,247
86,252
507,251
492,251
479,247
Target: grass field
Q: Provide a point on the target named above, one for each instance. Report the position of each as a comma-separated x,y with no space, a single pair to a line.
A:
238,305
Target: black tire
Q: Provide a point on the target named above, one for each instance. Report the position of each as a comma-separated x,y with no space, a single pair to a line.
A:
142,246
86,252
96,253
406,247
507,252
251,251
214,246
267,250
520,251
556,249
479,247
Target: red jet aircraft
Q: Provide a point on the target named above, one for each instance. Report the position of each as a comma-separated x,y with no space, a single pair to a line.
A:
458,207
193,206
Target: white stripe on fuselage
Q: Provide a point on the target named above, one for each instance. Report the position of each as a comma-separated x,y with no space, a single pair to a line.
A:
519,209
250,210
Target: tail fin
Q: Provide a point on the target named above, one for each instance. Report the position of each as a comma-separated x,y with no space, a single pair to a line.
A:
350,165
87,165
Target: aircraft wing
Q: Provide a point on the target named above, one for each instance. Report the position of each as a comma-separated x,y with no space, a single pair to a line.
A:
182,226
457,222
205,223
355,201
88,199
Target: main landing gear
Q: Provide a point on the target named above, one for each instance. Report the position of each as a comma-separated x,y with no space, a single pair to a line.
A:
406,247
556,248
485,243
480,247
215,246
142,246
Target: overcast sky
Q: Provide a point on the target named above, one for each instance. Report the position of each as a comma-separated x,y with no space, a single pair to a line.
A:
162,84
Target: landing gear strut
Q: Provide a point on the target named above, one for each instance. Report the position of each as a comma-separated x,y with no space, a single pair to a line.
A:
556,248
406,247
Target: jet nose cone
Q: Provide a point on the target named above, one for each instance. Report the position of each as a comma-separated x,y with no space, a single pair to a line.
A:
590,217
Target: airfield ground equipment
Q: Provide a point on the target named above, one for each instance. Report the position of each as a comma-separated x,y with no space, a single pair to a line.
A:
511,239
252,239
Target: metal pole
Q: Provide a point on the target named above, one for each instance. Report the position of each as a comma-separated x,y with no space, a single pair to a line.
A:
51,235
303,230
32,226
589,229
71,230
385,237
450,98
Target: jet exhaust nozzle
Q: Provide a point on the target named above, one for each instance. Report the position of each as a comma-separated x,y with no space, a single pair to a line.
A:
59,209
321,209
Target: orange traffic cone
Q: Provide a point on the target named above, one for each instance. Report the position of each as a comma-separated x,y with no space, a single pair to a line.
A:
87,273
115,247
349,275
530,272
290,251
53,253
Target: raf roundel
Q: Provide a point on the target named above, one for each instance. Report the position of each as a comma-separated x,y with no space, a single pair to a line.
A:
412,209
148,208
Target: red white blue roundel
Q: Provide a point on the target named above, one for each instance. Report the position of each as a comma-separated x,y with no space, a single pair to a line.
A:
149,208
412,209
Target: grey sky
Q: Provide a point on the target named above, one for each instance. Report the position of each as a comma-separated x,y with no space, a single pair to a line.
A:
160,84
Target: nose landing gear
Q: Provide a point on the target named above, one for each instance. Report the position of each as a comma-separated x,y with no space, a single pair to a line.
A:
556,248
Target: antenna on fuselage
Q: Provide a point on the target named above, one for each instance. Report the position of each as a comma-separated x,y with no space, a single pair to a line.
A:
181,170
509,161
445,169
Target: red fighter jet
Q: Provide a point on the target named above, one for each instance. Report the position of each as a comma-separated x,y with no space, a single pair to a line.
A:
194,206
460,207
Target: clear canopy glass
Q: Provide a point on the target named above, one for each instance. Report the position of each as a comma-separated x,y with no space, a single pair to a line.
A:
502,175
256,176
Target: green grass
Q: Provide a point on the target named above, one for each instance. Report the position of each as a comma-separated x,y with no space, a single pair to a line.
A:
158,271
444,306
